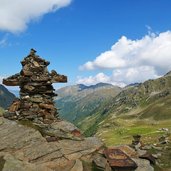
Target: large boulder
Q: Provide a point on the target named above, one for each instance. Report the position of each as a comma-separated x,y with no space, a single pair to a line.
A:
26,149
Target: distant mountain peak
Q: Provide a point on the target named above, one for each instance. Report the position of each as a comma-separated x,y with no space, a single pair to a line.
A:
78,101
132,85
103,84
82,87
168,74
98,85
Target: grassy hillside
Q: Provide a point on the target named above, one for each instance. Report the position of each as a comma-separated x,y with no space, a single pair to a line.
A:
121,130
140,109
79,101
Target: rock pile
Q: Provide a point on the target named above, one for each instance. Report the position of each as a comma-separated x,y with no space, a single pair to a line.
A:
36,91
136,142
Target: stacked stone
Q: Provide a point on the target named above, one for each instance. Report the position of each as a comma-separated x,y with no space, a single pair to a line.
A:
36,90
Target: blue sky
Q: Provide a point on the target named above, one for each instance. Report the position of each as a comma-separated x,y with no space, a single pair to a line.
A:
88,40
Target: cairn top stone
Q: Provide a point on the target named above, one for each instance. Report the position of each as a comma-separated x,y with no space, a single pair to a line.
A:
32,51
36,90
33,66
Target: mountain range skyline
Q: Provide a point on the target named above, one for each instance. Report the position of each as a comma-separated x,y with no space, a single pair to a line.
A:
115,42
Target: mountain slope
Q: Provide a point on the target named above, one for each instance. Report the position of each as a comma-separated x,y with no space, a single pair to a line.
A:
145,96
140,109
6,97
79,101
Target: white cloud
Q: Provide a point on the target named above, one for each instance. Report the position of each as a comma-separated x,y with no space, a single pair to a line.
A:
121,77
1,78
15,15
134,74
100,77
135,60
153,50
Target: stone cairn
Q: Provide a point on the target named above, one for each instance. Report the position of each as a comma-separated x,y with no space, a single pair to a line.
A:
36,91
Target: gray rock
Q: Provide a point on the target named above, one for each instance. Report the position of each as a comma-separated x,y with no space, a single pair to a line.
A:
78,166
13,164
89,145
141,152
100,162
157,155
25,147
9,114
66,166
59,133
143,165
137,146
64,125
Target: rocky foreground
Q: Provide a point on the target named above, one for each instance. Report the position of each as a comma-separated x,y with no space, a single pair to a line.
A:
56,147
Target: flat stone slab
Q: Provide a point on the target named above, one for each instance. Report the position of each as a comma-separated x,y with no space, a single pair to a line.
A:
26,145
118,159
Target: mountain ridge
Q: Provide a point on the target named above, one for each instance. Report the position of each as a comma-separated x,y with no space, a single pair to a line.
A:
73,99
142,99
6,97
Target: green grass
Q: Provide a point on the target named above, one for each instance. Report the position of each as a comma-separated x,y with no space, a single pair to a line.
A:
1,111
149,132
148,129
165,159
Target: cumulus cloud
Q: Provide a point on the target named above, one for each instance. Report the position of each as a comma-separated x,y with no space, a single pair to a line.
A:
153,50
15,15
134,74
135,60
100,77
121,77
